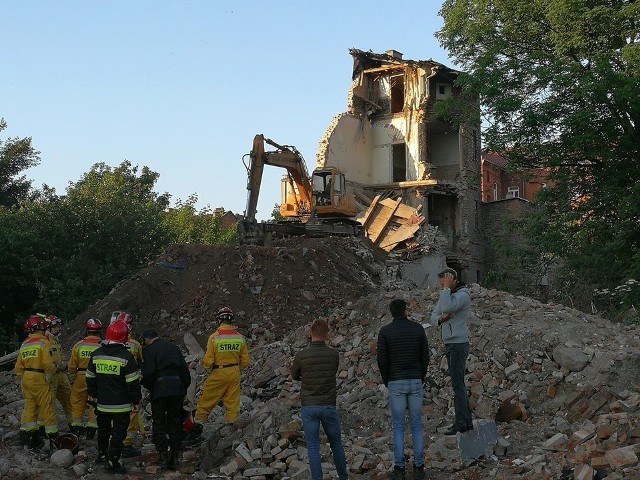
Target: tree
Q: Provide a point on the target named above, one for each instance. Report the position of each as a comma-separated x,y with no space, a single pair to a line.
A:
558,82
16,155
187,225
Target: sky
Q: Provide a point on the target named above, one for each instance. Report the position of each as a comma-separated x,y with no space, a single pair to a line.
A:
182,87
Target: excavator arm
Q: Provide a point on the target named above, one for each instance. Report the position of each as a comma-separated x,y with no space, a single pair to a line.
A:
286,157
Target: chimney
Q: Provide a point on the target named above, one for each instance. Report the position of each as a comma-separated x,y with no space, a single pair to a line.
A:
394,54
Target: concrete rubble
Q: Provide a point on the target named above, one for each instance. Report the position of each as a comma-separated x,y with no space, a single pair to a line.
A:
555,394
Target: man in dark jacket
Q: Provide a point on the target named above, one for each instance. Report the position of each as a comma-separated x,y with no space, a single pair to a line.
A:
317,366
113,379
403,357
166,375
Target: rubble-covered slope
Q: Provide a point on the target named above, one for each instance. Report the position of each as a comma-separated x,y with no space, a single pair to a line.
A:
568,381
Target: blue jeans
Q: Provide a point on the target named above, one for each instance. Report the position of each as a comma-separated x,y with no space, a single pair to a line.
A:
406,395
312,417
457,354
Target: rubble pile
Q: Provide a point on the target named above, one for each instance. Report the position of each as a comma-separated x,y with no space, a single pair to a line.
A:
555,391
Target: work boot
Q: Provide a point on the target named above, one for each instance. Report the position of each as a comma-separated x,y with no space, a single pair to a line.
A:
172,463
114,466
90,432
129,451
24,437
418,472
75,429
35,441
162,460
398,473
102,456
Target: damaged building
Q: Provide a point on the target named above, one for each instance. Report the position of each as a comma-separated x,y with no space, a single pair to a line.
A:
391,145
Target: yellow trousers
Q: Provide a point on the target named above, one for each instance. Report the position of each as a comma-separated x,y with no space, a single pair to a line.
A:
62,389
38,403
222,384
136,426
78,398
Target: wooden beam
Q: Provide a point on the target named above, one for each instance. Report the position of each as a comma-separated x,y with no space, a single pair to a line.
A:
413,183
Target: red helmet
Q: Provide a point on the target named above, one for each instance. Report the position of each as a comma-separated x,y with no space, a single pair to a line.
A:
187,420
93,325
118,316
118,332
225,314
53,320
35,322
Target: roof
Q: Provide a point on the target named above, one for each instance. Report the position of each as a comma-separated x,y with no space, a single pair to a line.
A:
495,159
366,60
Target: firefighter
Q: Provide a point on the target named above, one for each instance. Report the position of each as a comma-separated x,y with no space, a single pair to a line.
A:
78,362
227,353
136,425
113,379
61,385
35,368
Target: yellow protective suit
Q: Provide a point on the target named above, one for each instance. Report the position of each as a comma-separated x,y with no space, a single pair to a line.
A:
35,367
61,384
227,353
136,426
78,361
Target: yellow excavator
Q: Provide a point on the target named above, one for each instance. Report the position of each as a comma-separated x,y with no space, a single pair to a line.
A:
316,205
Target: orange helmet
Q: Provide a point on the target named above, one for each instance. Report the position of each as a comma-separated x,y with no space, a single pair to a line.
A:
93,325
118,332
53,321
225,314
35,322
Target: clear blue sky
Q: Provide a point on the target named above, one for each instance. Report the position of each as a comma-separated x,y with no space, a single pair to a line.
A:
183,86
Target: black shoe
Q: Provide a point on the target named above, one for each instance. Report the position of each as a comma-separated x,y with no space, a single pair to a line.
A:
128,451
102,457
162,460
114,466
398,473
453,430
418,472
172,462
90,432
35,441
23,437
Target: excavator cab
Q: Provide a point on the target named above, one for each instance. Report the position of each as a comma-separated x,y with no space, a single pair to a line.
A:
329,192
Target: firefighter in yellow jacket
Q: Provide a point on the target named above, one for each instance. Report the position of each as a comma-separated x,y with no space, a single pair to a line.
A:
61,384
227,353
35,367
136,425
78,362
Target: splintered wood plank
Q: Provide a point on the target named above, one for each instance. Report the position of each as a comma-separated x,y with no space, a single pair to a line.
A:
392,238
370,210
382,220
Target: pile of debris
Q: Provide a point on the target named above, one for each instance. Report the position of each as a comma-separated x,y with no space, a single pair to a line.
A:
555,391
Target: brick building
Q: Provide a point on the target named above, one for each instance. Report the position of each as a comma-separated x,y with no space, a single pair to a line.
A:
500,183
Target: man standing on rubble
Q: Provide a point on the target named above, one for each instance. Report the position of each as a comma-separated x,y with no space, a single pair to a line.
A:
61,385
316,366
227,353
452,313
113,379
166,375
403,357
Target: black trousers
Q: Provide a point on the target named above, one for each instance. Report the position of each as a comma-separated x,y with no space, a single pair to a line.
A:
112,430
167,422
457,354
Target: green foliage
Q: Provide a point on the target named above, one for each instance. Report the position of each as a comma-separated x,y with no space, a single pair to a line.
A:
275,213
558,83
16,155
190,226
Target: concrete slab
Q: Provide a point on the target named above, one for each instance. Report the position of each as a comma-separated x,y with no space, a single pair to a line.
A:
478,442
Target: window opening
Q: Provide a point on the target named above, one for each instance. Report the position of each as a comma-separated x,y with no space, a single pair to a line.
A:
397,93
399,154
